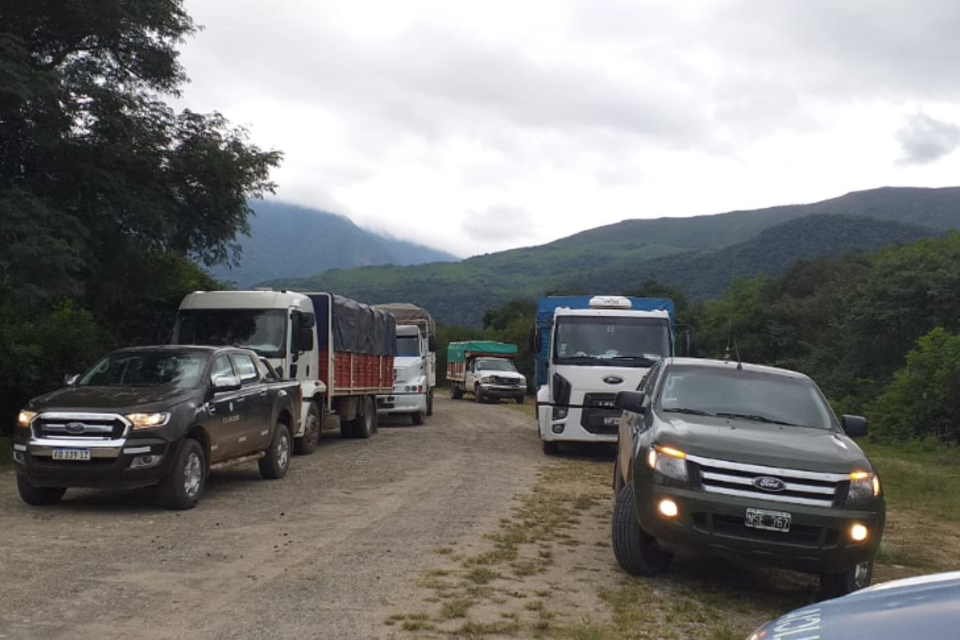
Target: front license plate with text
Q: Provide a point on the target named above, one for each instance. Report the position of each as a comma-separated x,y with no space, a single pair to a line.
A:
768,520
71,454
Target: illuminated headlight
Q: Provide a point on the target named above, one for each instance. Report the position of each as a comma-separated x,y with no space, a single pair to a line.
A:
859,533
148,420
668,462
864,487
25,418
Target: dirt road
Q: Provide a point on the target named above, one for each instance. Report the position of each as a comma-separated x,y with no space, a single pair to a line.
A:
322,553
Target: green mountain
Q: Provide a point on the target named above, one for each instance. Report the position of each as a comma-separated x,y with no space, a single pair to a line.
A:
287,241
700,255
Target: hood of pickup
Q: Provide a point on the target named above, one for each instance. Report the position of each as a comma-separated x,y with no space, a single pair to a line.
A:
802,448
112,399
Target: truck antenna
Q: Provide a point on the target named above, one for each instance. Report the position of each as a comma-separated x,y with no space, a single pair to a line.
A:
737,350
726,355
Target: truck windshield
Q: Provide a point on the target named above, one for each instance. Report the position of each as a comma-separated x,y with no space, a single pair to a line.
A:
495,365
408,346
261,331
178,370
744,395
609,341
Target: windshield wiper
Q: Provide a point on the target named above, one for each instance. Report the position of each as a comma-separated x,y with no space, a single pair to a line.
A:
756,418
692,412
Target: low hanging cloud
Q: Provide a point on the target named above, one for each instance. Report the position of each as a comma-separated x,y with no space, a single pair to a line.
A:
924,139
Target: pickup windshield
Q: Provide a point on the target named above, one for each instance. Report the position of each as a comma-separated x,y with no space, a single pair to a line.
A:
753,396
178,370
495,365
261,331
611,341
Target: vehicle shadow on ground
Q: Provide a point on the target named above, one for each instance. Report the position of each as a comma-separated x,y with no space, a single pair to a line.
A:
586,452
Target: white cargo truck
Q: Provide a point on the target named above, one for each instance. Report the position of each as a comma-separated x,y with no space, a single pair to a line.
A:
341,351
415,365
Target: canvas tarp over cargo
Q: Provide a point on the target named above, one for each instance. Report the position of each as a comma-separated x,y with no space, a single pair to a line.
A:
407,313
459,351
356,327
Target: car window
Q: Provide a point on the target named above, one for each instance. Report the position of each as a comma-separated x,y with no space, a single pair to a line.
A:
649,383
221,367
246,368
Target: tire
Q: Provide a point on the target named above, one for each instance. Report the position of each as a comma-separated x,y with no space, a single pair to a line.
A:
617,478
477,396
376,417
430,402
636,551
834,585
455,392
346,429
275,464
519,399
550,448
417,417
183,488
307,444
38,496
363,425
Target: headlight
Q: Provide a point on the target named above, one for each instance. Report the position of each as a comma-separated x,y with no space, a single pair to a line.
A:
486,379
864,487
668,462
25,418
148,420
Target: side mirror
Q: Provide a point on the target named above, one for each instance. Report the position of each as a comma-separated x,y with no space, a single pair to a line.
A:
634,401
534,340
223,384
432,344
70,379
307,320
305,338
854,426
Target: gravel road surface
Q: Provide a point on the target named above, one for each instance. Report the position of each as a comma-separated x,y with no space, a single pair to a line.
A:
323,553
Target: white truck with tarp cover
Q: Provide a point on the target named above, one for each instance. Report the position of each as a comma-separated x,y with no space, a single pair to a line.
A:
587,349
341,351
415,365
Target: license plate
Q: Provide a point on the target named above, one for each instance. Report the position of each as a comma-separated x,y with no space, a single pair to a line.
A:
768,520
71,454
611,421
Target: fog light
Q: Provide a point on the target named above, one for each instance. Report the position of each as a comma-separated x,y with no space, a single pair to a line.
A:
858,533
141,462
557,428
668,508
18,457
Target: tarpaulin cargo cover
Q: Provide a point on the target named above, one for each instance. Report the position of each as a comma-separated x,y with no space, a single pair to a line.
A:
355,327
407,313
460,351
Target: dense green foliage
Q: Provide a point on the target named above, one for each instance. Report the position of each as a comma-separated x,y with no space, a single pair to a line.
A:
602,261
107,195
286,241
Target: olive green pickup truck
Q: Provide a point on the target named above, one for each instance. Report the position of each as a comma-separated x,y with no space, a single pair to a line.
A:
746,461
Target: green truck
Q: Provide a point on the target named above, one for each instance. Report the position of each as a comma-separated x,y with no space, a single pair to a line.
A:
485,369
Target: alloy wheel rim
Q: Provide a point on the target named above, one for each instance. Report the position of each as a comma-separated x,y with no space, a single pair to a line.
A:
192,475
283,452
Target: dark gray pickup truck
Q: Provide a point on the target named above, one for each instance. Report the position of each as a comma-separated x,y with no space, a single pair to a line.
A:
746,461
162,416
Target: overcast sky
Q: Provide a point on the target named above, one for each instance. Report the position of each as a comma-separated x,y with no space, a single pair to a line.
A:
481,126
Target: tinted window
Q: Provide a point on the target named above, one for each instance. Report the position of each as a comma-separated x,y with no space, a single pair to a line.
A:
246,368
760,395
221,367
261,331
144,369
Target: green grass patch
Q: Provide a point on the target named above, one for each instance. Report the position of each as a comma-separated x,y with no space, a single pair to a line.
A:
457,608
919,476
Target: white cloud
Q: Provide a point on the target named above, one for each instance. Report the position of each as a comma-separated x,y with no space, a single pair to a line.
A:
412,117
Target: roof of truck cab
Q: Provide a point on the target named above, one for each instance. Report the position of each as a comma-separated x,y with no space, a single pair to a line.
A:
732,364
624,313
244,300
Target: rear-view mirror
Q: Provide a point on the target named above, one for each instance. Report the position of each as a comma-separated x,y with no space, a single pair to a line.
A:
432,344
70,379
854,426
222,384
534,340
305,338
635,401
307,319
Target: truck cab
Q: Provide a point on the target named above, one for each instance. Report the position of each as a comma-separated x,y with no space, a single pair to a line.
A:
588,349
414,376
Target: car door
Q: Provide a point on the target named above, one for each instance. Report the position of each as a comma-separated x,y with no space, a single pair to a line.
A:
225,411
255,430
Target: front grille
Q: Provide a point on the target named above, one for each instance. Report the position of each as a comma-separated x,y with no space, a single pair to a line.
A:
599,400
87,425
507,382
809,488
600,417
735,527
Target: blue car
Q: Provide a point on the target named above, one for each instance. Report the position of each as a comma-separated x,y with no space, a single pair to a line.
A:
923,607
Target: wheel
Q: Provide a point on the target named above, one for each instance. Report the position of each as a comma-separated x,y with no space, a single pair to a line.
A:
637,553
455,392
417,417
376,417
307,443
477,396
617,478
274,465
184,486
430,402
519,399
550,448
38,496
834,585
363,425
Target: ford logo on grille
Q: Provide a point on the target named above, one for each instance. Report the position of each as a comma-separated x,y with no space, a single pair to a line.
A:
613,380
766,483
75,428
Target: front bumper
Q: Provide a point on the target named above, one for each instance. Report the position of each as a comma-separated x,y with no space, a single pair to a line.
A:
818,540
402,403
570,428
107,468
502,391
